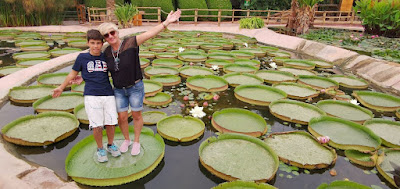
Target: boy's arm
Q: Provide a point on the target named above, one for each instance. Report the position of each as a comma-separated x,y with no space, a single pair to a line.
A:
172,17
57,91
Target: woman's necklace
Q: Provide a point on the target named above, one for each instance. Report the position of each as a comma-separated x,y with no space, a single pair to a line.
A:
116,57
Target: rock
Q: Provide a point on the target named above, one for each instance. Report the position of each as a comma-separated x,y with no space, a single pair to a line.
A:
333,172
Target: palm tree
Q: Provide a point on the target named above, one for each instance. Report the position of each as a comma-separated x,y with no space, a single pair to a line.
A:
110,5
302,15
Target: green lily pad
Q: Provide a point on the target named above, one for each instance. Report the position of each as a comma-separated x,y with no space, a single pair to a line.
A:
80,114
31,62
63,51
261,95
39,47
243,54
78,43
243,184
54,79
218,62
236,120
166,55
7,70
152,117
189,71
29,94
350,82
260,53
147,54
192,56
78,88
159,99
345,110
278,54
166,80
180,129
255,63
296,90
222,56
19,43
160,70
40,130
269,48
65,102
384,165
242,68
300,64
297,72
360,158
75,34
236,156
318,82
378,101
144,62
209,46
272,76
151,87
234,79
207,83
158,48
344,134
295,111
30,55
342,184
388,130
321,64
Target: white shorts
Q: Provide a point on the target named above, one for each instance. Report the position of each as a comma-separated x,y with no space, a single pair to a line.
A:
101,111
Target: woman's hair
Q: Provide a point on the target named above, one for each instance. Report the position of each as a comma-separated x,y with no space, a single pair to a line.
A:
94,34
107,27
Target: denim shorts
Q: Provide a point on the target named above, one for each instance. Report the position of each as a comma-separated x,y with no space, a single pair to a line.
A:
132,96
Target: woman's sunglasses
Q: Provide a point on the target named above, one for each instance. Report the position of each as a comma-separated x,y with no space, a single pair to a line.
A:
108,34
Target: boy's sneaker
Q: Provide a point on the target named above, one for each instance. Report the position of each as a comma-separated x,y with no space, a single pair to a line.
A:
113,150
125,146
135,149
101,155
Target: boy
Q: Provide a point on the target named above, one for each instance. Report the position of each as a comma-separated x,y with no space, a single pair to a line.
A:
98,94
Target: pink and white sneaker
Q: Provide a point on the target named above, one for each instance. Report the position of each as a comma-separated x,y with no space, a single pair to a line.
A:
124,146
135,149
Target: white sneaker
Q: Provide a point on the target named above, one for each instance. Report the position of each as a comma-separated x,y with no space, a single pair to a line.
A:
113,150
101,155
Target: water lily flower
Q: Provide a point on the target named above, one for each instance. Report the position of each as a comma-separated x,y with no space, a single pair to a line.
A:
373,36
245,44
356,39
214,67
361,35
191,63
181,49
215,97
351,36
273,65
205,104
323,139
340,40
197,112
354,101
186,98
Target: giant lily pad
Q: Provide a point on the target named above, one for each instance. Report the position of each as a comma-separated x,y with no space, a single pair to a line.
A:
209,46
242,68
257,52
151,88
158,48
295,147
360,158
243,54
321,64
237,156
63,51
40,130
296,90
300,64
192,56
30,55
272,76
388,130
342,184
279,60
144,62
65,102
54,79
317,82
29,94
146,54
344,134
166,80
296,72
236,120
7,70
20,43
78,88
234,79
180,129
152,117
31,62
345,110
350,82
269,48
80,114
208,83
78,43
294,111
385,164
82,166
189,71
377,101
218,62
261,95
255,63
166,55
159,99
160,70
222,56
39,47
278,53
243,184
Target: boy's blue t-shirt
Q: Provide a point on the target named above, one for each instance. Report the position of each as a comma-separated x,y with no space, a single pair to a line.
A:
95,74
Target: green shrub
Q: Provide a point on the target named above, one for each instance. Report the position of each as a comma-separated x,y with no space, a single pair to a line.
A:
166,7
251,23
381,17
125,14
138,3
100,3
219,4
264,5
192,4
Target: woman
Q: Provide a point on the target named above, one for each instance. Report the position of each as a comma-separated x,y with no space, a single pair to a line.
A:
122,57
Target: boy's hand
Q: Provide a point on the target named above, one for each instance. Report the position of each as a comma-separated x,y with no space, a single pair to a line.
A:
57,92
77,80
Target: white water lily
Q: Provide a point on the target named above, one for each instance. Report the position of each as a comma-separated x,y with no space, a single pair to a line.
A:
214,67
197,112
273,65
354,101
181,49
246,45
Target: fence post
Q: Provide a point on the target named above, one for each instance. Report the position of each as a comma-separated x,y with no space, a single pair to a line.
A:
90,19
233,15
219,17
196,13
323,18
352,17
248,13
159,14
268,15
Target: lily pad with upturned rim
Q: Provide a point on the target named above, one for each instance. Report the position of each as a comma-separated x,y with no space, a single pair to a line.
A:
158,48
294,111
342,184
243,54
321,64
63,51
279,60
297,72
78,88
19,43
54,79
269,48
243,184
40,130
253,62
234,79
147,54
243,68
279,54
30,62
344,134
295,147
350,82
39,47
273,76
65,102
160,70
300,64
384,166
218,62
167,55
78,43
192,56
29,94
152,117
82,166
159,99
236,120
207,83
377,101
261,95
30,55
388,130
360,158
222,56
80,114
318,82
209,46
345,110
144,62
257,52
166,80
7,70
189,71
228,158
296,90
151,87
180,129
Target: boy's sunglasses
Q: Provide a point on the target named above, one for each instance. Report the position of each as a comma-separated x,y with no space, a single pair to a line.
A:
108,34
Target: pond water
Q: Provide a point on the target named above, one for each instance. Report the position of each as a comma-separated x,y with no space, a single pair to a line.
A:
180,167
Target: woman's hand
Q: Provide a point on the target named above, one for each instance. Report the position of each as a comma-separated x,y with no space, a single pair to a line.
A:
173,16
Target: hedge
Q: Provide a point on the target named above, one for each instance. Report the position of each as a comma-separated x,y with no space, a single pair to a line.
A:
219,4
100,3
192,4
166,6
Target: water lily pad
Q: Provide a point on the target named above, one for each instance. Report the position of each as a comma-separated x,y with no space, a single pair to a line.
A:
152,117
151,87
342,184
7,70
279,60
30,55
360,158
159,99
260,53
31,62
63,51
295,111
243,184
80,114
29,94
236,156
242,68
272,76
54,79
147,54
278,54
317,82
385,164
222,56
321,64
269,48
78,43
158,48
388,130
192,56
243,54
65,102
255,63
160,70
345,110
218,62
19,43
75,34
40,130
261,95
209,46
344,134
78,88
39,47
297,72
166,80
166,55
296,90
350,82
300,64
82,166
295,147
180,129
378,101
236,120
189,71
207,83
234,79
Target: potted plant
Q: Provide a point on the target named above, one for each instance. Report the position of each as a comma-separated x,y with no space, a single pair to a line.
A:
125,14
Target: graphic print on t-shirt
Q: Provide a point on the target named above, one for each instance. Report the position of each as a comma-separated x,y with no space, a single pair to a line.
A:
101,66
90,66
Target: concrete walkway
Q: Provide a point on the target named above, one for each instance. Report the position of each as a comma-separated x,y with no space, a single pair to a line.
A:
16,173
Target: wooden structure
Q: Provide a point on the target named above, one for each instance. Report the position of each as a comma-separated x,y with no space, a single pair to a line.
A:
81,12
99,15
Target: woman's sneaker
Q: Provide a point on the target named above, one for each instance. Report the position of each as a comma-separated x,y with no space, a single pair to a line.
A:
101,155
113,150
135,149
125,145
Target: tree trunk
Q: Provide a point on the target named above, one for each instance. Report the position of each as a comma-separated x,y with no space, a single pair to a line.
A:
292,25
304,19
110,5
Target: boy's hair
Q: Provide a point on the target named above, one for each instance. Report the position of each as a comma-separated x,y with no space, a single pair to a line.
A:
94,34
